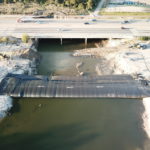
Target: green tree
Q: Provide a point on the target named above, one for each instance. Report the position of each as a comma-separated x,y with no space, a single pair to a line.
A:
5,1
73,2
80,6
89,4
67,3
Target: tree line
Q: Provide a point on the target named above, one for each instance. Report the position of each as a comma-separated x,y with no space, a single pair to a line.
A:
80,4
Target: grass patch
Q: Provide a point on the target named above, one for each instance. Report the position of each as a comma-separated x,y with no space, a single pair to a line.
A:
144,38
126,13
25,38
3,39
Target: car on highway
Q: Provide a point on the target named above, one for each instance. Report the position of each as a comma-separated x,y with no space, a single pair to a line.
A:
86,23
59,29
42,17
123,28
94,20
25,20
125,21
148,20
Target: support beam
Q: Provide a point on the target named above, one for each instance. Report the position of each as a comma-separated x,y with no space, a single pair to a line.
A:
61,41
36,42
85,42
110,39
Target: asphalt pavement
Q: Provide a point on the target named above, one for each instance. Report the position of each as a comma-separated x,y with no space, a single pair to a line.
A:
74,28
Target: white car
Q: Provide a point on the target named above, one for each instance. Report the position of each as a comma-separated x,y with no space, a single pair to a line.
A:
25,20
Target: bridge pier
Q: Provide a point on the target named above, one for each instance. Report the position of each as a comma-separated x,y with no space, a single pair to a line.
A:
85,42
61,41
110,39
36,42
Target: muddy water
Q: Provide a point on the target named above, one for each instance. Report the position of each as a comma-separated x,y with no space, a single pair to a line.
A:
57,59
73,124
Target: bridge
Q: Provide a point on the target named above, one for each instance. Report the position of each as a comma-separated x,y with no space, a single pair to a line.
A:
73,28
109,86
67,32
76,33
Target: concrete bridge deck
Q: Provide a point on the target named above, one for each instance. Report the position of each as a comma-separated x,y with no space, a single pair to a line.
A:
73,28
73,33
62,33
111,86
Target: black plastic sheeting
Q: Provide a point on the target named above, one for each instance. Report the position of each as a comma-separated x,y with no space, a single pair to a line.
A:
110,86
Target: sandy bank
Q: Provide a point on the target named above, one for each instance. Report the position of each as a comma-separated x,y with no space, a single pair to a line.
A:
123,56
18,58
146,116
135,60
5,105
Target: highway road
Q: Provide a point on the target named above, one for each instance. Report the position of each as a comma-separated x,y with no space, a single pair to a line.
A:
74,28
12,20
74,32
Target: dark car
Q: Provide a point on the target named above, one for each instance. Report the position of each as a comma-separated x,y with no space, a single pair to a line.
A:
125,21
42,17
94,20
86,23
123,28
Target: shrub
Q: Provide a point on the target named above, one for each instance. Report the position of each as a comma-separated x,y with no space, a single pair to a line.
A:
25,38
144,38
80,6
3,39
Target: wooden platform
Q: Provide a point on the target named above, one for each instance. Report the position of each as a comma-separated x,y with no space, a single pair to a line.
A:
111,86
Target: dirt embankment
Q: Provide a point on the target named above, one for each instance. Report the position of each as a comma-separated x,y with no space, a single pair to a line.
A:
17,57
121,57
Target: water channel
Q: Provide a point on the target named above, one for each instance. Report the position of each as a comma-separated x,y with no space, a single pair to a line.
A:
58,59
72,124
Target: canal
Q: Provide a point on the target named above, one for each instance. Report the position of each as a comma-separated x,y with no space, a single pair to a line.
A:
72,124
57,59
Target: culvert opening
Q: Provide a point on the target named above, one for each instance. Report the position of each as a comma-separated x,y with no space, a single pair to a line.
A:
59,59
78,43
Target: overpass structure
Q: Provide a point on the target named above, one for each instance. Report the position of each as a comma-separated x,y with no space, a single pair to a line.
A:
110,86
67,33
74,28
